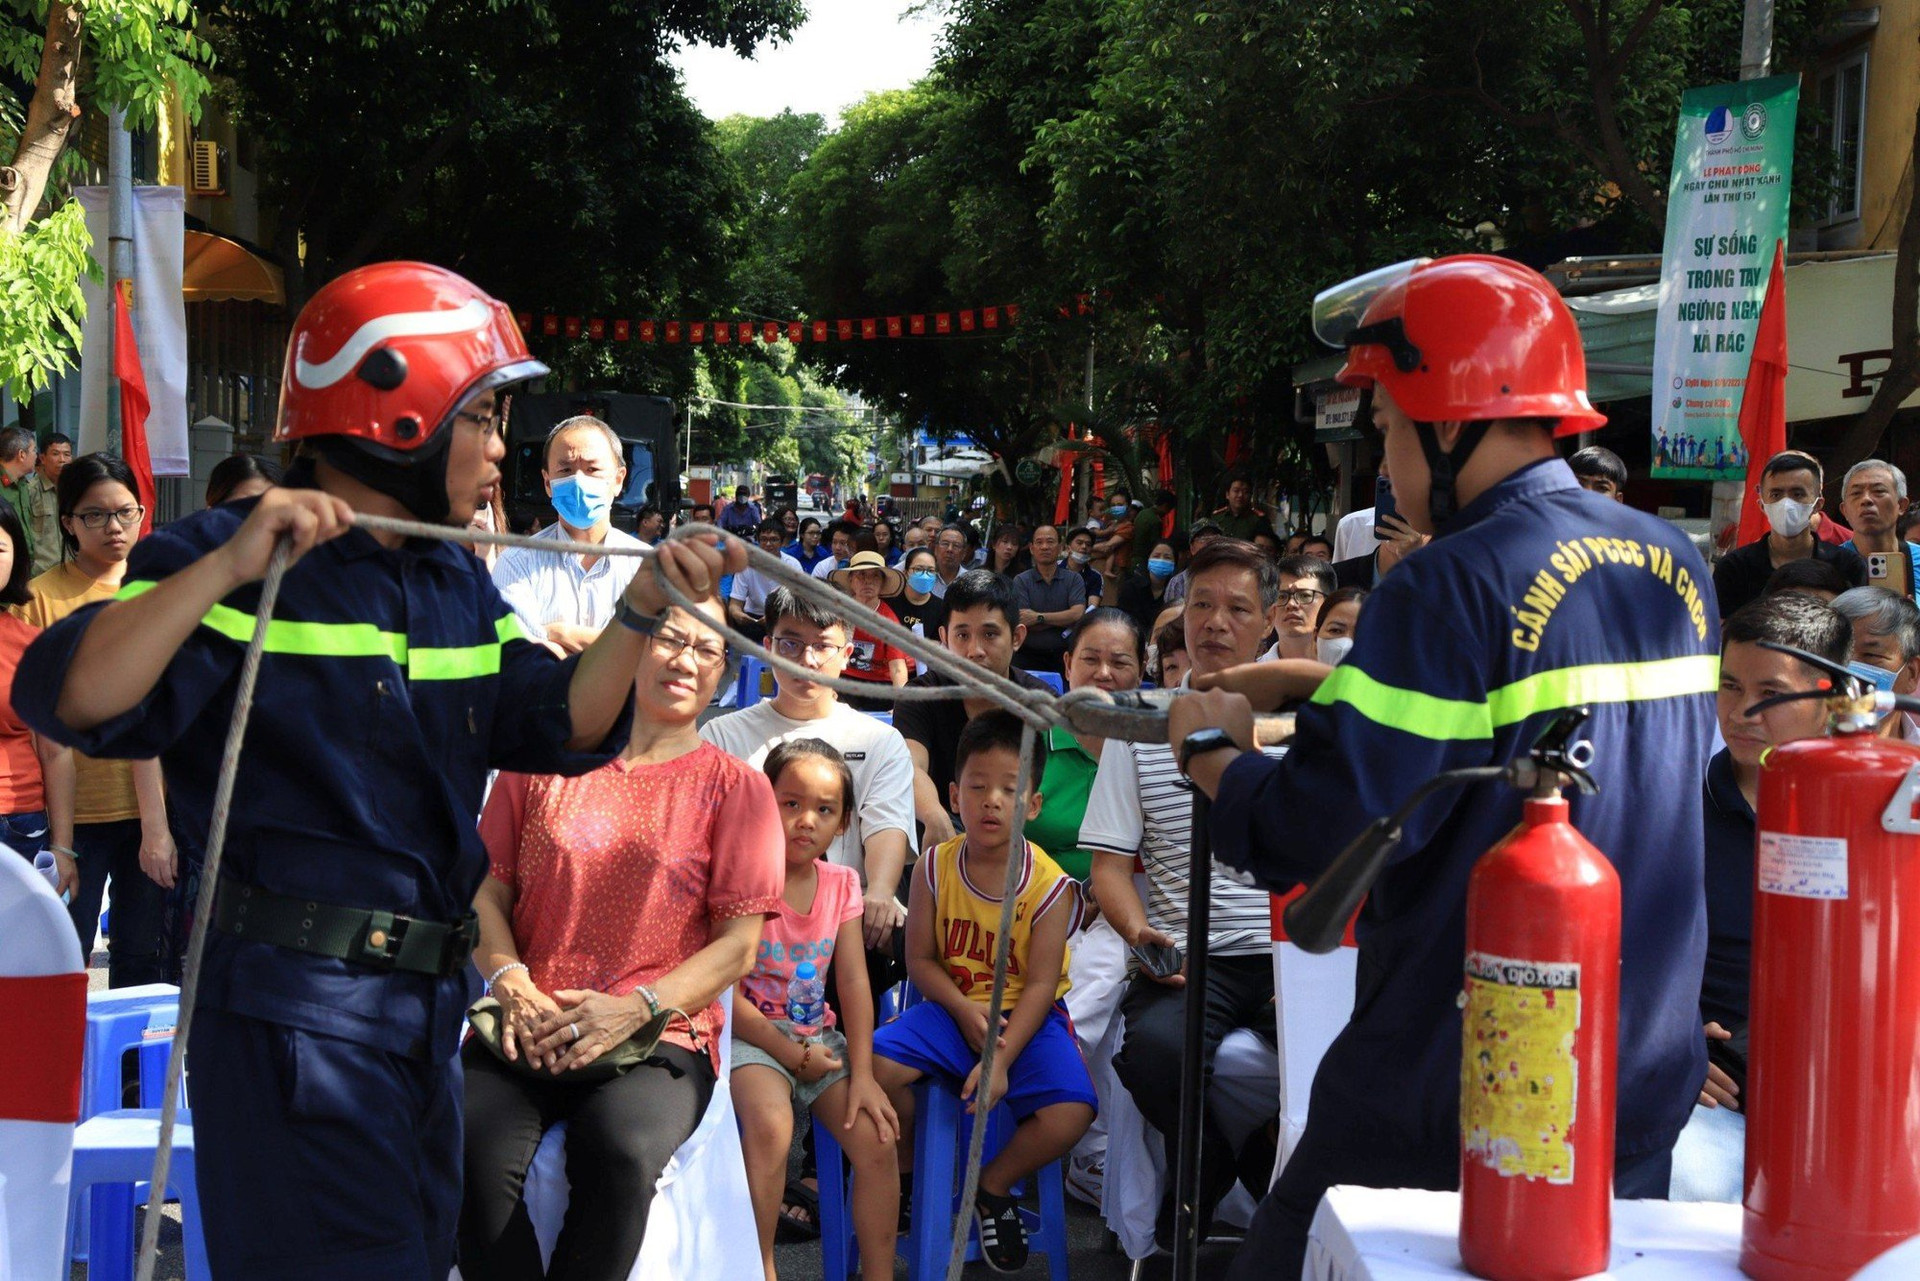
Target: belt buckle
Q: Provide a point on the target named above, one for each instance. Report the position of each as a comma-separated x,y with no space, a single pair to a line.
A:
380,943
462,938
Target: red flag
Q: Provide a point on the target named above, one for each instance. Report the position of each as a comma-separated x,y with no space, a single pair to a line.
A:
622,330
843,330
696,331
870,328
1763,409
966,322
1063,504
133,405
917,326
596,328
943,323
550,325
1013,313
573,326
721,332
673,331
819,331
990,317
770,332
797,332
893,326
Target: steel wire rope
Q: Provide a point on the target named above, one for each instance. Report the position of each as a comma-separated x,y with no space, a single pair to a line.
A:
1037,710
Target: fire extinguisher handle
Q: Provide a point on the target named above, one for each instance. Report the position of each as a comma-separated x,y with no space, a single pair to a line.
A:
1317,919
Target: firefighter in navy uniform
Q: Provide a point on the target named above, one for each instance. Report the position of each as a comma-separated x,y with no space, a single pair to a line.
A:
1535,596
324,1083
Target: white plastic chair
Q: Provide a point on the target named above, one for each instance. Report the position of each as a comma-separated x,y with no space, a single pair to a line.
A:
1314,996
693,1228
37,947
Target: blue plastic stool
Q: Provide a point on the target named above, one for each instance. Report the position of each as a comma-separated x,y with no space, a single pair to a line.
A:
748,691
941,1131
112,1156
120,1020
1052,680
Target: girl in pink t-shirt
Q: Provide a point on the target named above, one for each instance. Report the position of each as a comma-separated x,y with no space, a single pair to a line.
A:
818,922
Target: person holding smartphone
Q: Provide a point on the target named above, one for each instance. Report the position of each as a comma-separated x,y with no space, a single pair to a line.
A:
1139,807
1873,497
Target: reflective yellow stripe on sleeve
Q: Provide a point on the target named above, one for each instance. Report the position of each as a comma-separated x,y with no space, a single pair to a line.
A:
359,640
1452,719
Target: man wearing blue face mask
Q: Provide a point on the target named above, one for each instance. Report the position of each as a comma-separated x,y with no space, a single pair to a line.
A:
1790,487
1886,648
566,600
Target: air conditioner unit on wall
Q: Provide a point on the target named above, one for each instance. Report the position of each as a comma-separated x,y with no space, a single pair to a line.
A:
206,170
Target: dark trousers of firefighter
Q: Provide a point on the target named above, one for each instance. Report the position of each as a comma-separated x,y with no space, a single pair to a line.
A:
1239,994
319,1158
620,1135
1328,1156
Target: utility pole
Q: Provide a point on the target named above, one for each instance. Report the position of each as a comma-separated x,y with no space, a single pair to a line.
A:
1756,40
119,249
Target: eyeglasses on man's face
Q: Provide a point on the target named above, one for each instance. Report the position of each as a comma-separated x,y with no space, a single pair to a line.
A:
707,652
125,517
491,423
1300,595
793,647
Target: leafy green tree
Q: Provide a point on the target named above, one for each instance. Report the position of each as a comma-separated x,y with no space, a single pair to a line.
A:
543,148
70,57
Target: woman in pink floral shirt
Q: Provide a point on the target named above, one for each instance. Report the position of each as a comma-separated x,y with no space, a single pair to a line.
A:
643,884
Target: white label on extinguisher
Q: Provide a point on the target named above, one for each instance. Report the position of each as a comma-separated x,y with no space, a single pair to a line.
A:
1803,866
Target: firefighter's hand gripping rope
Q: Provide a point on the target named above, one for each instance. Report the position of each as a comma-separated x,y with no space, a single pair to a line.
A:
1138,718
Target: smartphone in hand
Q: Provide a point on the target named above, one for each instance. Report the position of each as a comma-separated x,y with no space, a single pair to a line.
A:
1383,507
1162,960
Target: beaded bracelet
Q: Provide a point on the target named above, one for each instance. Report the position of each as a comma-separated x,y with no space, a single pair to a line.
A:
510,965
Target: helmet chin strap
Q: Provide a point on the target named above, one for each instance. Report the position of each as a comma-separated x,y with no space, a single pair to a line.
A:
418,483
1444,467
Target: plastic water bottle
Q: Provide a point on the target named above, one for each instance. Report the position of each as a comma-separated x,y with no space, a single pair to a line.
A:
806,1000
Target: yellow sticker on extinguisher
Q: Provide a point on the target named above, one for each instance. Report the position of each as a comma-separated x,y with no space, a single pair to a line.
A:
1519,1078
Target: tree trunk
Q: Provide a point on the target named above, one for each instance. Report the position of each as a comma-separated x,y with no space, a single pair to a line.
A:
1902,378
50,118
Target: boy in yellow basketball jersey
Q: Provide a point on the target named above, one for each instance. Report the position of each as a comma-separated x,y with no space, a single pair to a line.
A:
953,919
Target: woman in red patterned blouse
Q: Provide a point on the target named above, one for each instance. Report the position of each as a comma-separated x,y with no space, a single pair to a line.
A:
643,884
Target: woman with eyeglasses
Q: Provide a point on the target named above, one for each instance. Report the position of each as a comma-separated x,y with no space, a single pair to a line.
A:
641,886
108,816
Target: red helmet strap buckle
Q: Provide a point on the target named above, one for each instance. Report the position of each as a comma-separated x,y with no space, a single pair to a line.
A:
1390,333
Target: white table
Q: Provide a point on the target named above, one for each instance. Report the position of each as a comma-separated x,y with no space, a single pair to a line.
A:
1374,1234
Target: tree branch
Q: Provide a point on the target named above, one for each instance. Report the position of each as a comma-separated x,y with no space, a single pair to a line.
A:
1604,65
50,116
411,184
1902,378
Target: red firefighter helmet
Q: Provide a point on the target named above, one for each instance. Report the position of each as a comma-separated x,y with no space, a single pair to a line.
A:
1472,338
386,353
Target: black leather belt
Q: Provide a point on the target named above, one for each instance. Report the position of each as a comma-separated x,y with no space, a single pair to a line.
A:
380,940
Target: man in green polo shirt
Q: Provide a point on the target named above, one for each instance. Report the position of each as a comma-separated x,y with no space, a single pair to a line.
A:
1239,518
18,454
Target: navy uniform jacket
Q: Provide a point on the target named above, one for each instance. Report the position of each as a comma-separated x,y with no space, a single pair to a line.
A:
1541,596
392,680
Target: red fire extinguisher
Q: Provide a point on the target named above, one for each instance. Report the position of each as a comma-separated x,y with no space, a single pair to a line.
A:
1540,1037
1833,1066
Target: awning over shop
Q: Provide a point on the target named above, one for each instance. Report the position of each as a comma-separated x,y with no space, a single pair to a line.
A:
223,270
1839,336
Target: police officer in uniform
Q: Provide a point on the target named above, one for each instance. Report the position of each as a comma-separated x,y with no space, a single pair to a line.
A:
1534,596
324,1083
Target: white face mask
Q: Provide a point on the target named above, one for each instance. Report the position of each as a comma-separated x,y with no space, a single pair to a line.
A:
1333,649
1788,518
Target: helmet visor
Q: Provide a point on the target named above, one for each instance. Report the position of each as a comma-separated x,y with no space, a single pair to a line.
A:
1337,310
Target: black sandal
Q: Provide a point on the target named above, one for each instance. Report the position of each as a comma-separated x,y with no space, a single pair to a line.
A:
1003,1237
791,1228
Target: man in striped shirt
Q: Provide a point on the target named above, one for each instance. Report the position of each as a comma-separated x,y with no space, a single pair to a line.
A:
1142,806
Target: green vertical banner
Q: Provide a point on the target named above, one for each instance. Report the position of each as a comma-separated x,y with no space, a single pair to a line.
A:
1726,207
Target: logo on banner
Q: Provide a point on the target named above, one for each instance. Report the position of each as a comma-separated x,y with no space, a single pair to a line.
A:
1753,122
1719,125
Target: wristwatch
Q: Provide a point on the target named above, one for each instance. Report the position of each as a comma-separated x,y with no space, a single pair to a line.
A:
634,620
1202,741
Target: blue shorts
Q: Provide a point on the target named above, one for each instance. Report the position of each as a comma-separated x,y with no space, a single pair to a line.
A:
1049,1071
